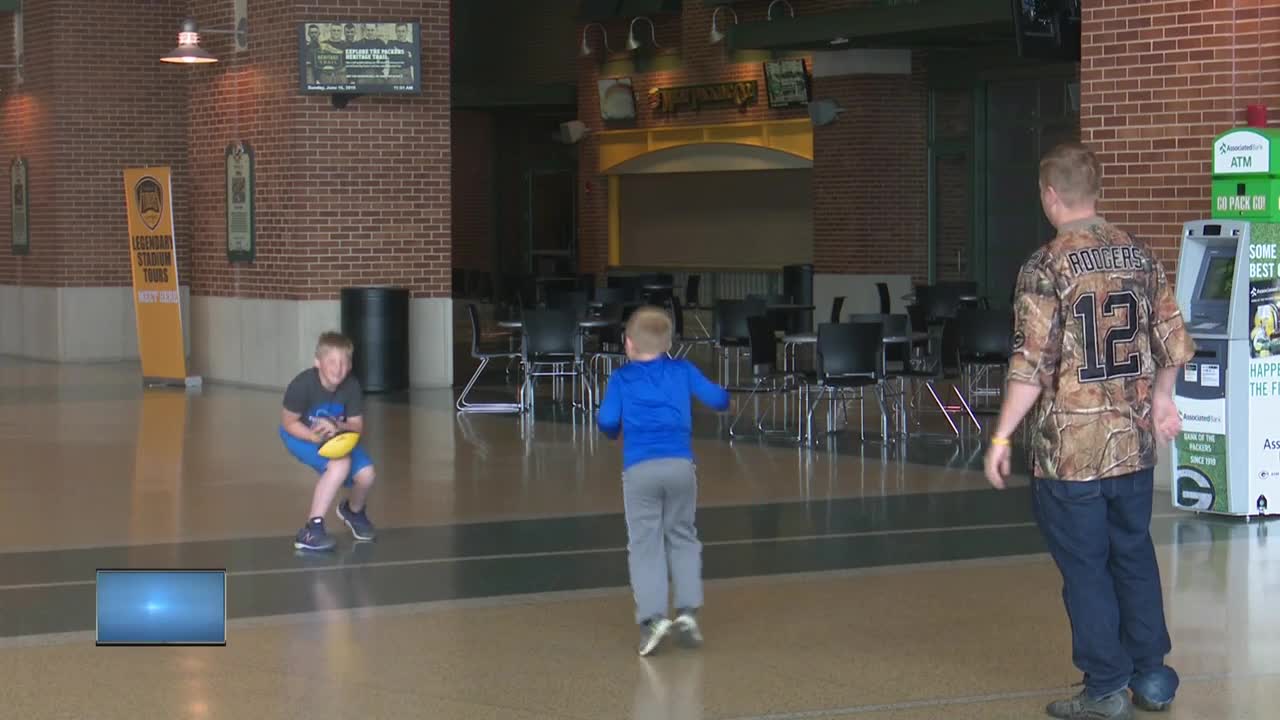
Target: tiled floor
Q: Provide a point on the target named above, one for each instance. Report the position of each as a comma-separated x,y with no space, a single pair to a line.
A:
843,581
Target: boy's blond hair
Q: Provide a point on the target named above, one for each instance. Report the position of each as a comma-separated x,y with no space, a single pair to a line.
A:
333,340
1073,171
649,330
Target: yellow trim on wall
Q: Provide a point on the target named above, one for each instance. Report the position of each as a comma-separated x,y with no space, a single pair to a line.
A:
615,221
790,136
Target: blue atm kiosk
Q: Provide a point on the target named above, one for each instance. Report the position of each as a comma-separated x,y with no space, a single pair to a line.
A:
1227,459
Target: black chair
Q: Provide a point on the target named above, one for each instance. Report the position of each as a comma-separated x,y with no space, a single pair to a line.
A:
763,345
938,304
797,288
552,340
574,301
942,363
613,296
849,359
792,341
681,342
730,332
692,293
885,303
985,346
484,357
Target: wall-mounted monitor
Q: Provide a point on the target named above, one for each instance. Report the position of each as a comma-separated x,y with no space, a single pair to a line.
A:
360,57
1047,29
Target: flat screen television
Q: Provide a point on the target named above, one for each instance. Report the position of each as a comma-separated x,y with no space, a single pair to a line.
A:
360,58
1047,29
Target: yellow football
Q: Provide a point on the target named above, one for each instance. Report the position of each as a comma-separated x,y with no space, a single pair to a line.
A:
340,445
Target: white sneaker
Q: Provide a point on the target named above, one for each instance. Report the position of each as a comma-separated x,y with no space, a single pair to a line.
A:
687,632
652,633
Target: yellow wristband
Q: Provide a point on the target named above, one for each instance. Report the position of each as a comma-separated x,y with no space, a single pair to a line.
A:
1003,442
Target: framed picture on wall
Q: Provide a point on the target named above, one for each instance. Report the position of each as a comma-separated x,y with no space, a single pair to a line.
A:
20,201
617,99
787,82
240,215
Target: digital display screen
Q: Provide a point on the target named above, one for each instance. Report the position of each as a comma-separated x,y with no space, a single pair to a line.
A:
161,607
360,57
1217,278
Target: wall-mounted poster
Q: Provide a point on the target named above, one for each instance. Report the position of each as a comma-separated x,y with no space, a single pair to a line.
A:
787,82
617,99
240,216
20,200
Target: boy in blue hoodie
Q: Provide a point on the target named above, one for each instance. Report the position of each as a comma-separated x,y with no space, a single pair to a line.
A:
648,400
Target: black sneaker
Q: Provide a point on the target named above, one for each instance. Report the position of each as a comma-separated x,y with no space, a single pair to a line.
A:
651,634
688,635
314,537
1115,706
357,522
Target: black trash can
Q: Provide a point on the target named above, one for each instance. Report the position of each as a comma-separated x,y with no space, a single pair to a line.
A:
377,321
797,286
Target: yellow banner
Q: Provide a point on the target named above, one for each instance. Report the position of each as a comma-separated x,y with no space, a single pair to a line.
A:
156,299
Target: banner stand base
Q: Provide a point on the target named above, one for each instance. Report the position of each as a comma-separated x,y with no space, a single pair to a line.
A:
191,381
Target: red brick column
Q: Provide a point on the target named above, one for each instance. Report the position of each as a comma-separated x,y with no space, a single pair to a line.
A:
1158,80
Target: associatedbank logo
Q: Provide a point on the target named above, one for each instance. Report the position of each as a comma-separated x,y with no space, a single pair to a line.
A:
1224,147
1193,490
1242,152
1203,416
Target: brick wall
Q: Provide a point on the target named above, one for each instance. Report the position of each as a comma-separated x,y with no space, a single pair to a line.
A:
353,196
1158,80
79,124
345,197
870,176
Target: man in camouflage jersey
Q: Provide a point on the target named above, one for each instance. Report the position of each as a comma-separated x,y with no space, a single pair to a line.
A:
1097,343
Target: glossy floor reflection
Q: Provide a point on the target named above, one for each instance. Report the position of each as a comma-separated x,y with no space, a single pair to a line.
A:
847,581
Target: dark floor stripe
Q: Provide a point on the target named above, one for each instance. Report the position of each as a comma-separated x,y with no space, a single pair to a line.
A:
70,608
716,524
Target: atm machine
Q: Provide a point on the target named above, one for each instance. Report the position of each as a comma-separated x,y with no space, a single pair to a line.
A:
1227,458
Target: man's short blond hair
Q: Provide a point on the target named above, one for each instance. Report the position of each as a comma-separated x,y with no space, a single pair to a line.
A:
333,340
649,330
1073,171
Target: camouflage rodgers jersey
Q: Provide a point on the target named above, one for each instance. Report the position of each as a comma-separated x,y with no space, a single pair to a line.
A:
1094,318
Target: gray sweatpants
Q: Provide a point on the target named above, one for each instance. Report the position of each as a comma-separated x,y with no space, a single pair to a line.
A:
660,497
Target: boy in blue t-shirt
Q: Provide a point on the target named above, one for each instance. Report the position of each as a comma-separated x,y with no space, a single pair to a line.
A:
321,402
648,401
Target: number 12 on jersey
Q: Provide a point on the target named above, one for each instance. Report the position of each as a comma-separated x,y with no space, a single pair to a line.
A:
1101,359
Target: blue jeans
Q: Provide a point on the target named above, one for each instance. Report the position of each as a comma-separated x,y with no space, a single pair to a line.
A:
1099,535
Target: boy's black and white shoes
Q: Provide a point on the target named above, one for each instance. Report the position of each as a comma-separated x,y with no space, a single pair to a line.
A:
688,634
652,631
357,522
313,537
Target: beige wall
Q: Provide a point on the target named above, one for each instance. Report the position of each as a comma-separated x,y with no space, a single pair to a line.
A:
761,218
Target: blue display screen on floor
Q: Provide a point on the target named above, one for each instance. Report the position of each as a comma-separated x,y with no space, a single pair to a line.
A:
162,607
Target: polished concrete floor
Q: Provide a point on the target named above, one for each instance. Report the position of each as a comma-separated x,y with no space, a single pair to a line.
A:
848,580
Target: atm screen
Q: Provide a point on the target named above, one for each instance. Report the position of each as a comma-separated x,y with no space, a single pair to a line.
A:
1217,278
